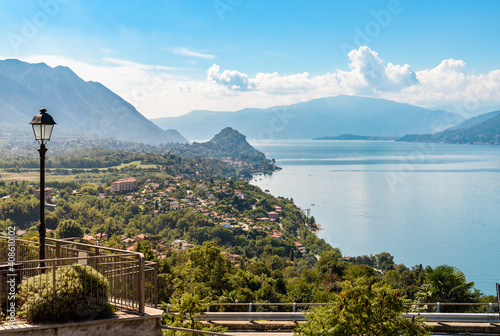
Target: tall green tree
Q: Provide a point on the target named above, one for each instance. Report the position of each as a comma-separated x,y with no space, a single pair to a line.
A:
331,262
209,266
362,308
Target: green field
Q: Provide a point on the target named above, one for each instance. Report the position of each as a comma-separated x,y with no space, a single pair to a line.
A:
34,174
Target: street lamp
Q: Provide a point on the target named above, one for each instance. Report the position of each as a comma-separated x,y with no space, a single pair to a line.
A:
42,128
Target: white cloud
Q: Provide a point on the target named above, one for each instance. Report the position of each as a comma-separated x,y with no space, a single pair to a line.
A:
187,52
232,79
368,74
158,91
378,76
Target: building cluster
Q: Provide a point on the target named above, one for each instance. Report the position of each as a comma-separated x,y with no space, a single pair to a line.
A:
181,193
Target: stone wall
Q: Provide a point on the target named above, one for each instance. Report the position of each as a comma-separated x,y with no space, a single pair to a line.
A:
120,325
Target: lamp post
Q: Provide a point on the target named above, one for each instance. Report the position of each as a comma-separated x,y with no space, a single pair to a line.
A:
42,125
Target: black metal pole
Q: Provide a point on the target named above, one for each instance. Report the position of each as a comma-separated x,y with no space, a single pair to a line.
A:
498,297
41,229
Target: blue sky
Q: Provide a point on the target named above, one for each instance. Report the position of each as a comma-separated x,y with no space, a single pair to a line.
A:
170,57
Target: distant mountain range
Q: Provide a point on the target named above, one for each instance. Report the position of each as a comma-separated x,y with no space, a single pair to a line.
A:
80,109
320,117
474,121
483,129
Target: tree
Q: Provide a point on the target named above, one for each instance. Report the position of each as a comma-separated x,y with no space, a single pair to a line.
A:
144,247
446,284
331,262
362,308
385,261
188,310
69,228
209,266
358,271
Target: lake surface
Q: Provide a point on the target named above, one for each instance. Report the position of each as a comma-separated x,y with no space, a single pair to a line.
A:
429,204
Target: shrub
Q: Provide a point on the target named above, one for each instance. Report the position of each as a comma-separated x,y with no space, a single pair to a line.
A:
80,293
69,228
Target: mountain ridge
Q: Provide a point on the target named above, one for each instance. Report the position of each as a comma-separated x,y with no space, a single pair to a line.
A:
484,133
80,108
318,117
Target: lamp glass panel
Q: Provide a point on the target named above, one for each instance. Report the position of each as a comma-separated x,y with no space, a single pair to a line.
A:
46,131
37,129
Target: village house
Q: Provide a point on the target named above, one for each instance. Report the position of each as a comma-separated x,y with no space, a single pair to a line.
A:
278,235
129,241
273,215
300,247
47,193
101,235
181,244
90,239
227,225
233,258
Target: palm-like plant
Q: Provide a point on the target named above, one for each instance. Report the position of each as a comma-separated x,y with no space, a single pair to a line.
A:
234,296
446,284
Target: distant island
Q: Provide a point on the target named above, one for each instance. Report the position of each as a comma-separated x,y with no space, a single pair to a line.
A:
355,137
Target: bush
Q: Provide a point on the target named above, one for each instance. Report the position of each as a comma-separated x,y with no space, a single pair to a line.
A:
81,293
68,229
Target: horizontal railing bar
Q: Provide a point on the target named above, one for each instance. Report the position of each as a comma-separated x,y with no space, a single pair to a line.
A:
3,236
95,246
298,316
323,303
100,256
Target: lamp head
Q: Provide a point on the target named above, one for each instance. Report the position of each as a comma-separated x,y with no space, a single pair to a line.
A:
42,124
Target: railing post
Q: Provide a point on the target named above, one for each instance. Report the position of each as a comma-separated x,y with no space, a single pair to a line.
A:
16,250
490,309
250,307
54,279
142,283
294,309
155,300
58,252
58,249
438,307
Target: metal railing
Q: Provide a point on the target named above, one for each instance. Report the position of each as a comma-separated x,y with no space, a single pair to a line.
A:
296,306
132,281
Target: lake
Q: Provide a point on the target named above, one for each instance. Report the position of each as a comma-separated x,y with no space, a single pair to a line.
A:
429,204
